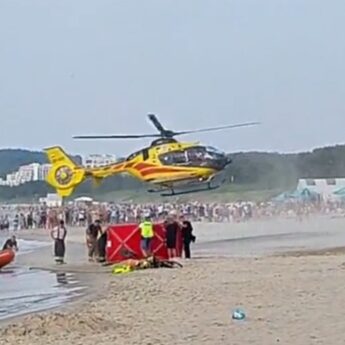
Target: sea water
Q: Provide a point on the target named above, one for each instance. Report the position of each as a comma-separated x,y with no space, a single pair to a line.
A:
26,247
24,291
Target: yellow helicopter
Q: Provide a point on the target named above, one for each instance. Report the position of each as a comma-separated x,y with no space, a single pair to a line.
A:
173,167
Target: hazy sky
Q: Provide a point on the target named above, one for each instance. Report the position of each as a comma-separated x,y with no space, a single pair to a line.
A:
81,67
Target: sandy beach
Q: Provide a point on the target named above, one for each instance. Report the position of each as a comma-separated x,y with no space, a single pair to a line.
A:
289,286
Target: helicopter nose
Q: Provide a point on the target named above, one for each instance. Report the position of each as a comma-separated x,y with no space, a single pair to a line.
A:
228,160
224,161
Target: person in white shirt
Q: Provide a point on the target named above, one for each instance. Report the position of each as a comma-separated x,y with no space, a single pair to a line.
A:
58,234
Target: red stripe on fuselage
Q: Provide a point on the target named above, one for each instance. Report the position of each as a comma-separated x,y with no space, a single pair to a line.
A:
161,170
141,166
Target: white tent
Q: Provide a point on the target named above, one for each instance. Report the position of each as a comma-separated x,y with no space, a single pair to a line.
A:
83,199
51,200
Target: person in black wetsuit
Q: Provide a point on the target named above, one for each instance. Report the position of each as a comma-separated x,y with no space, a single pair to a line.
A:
187,236
92,233
102,244
11,243
171,228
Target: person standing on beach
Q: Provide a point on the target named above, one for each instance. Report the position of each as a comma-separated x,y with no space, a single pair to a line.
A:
16,222
187,236
171,230
92,232
102,244
58,234
147,234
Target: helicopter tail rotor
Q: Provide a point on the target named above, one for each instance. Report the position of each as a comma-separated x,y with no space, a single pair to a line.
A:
64,175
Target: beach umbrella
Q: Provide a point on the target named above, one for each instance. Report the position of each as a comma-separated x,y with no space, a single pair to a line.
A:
286,196
340,192
307,194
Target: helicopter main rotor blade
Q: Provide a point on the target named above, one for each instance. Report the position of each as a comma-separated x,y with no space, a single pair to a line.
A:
156,123
217,128
120,136
164,133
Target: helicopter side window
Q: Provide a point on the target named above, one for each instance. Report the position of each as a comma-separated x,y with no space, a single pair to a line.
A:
133,155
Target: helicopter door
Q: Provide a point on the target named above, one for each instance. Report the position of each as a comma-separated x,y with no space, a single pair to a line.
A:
145,154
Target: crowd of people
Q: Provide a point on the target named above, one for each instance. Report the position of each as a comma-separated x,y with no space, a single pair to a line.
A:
29,217
81,215
95,217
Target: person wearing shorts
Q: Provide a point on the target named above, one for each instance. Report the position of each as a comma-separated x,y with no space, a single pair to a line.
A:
171,230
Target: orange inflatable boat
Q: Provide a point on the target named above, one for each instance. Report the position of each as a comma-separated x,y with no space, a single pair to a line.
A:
6,257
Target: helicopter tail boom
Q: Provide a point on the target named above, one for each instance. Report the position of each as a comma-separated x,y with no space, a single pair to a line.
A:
65,175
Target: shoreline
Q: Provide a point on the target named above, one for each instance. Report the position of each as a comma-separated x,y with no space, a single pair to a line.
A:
42,259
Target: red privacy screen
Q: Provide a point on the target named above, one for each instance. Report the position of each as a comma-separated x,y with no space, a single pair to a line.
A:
123,242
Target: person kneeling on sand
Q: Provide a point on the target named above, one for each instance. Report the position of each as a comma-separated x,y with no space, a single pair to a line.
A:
58,234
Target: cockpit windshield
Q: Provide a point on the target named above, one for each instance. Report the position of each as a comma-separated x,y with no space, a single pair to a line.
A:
194,156
214,150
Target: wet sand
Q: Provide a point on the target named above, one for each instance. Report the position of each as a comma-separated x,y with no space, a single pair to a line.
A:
292,297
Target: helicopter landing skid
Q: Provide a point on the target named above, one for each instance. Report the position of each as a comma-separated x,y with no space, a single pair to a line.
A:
189,191
208,185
